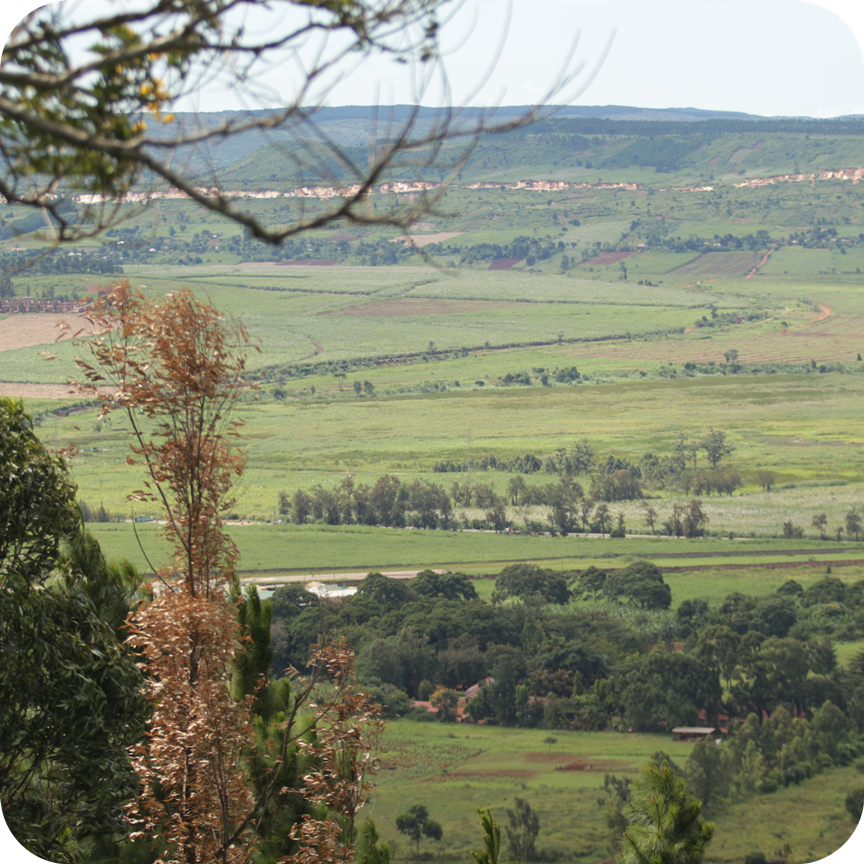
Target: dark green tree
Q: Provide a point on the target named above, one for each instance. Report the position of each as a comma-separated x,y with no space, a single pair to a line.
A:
640,583
522,830
71,704
855,804
389,593
416,824
666,826
530,582
590,582
450,586
709,774
716,446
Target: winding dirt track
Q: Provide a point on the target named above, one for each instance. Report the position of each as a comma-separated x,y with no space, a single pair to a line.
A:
753,272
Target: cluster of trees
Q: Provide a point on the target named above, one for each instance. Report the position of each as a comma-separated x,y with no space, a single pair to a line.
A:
852,524
761,757
725,319
529,249
422,504
389,503
97,514
53,261
589,650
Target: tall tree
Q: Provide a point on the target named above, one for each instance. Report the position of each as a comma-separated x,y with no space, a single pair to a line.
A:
415,822
666,826
716,446
523,826
174,366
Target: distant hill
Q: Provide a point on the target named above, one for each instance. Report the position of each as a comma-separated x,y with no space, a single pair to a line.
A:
567,143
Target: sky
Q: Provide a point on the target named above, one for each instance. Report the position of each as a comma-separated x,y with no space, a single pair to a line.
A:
768,57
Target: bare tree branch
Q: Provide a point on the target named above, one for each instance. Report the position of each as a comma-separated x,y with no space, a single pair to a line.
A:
74,136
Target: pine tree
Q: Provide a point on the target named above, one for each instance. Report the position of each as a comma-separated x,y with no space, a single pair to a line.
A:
666,826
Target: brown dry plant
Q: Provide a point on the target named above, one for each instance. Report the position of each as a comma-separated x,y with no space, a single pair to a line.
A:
175,366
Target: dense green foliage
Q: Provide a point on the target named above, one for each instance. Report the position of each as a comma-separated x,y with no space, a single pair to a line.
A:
71,693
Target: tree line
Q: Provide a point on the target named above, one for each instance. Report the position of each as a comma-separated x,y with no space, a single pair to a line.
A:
595,650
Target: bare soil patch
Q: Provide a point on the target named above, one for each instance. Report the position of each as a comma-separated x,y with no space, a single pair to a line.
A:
418,307
604,765
605,258
39,391
765,258
38,328
421,240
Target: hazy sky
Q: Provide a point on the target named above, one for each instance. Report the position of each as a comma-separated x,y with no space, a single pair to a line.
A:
760,56
766,57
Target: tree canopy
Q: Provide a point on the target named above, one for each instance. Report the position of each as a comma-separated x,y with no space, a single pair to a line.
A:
71,693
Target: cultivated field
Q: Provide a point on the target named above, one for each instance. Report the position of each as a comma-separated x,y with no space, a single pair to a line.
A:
454,769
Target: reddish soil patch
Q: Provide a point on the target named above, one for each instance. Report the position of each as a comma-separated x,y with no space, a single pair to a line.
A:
318,348
594,765
309,262
825,313
24,331
504,263
410,307
608,258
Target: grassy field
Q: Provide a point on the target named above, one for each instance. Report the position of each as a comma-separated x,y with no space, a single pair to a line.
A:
806,428
454,769
333,549
446,402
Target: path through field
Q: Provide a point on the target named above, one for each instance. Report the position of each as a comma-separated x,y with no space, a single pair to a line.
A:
755,270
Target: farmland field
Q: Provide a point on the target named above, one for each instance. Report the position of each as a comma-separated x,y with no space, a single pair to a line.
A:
719,264
453,770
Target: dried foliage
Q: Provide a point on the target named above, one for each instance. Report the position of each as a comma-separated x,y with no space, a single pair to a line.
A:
222,743
173,365
197,734
348,728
